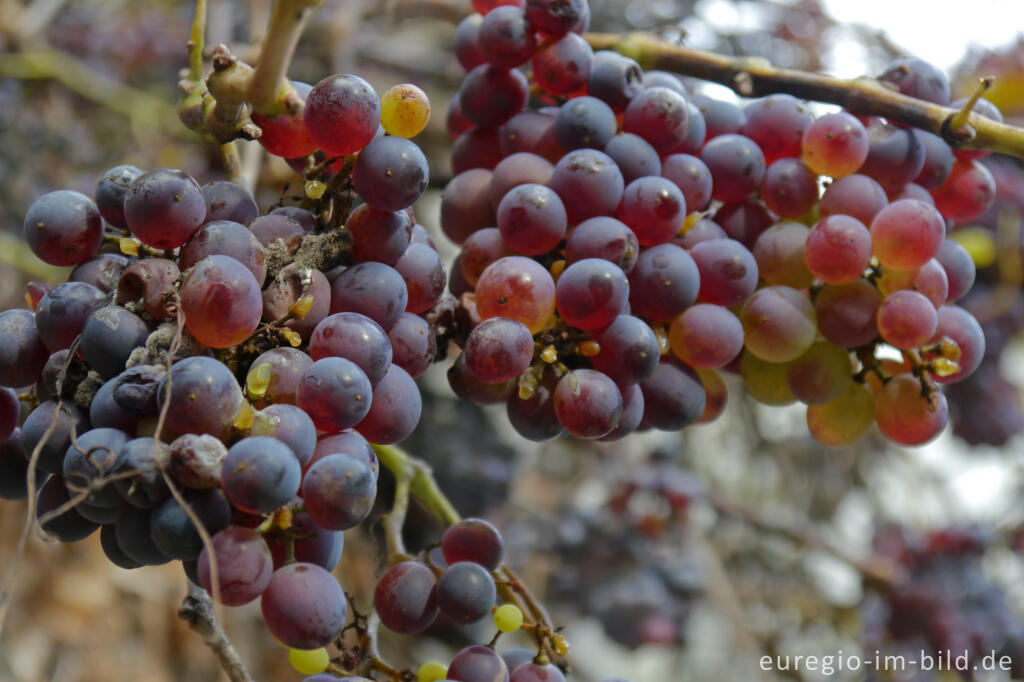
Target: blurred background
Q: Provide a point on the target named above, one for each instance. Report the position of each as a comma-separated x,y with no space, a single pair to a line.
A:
667,557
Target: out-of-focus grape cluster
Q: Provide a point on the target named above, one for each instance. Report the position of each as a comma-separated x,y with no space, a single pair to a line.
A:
947,604
630,564
625,240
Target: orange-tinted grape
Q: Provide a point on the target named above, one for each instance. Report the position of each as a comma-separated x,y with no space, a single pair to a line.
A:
517,288
404,110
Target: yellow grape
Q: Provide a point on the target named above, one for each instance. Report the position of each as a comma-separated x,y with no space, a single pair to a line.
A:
404,110
978,242
508,618
309,662
766,382
431,672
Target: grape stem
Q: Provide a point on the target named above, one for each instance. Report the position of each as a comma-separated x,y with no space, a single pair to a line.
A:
269,91
960,119
920,369
395,519
195,43
422,484
756,77
876,569
197,611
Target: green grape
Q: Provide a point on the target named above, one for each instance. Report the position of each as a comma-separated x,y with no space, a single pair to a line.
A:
845,419
404,110
821,374
779,324
766,382
508,618
309,662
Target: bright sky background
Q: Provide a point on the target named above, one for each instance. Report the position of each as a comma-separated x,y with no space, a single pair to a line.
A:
938,31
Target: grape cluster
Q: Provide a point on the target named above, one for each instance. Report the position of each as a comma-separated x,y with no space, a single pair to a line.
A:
949,603
207,384
624,240
630,563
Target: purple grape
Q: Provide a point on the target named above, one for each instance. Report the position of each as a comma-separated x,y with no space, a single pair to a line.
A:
390,174
395,411
591,293
173,531
477,663
62,312
473,540
63,228
303,606
335,393
354,337
226,200
498,349
22,352
629,350
406,598
204,396
109,336
664,282
413,344
371,289
673,397
244,566
466,592
339,491
111,192
164,207
589,184
588,403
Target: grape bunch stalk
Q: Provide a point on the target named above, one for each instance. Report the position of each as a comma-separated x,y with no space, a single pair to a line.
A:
220,385
624,241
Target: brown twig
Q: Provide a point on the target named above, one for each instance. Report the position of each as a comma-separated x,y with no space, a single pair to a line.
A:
876,569
197,611
755,77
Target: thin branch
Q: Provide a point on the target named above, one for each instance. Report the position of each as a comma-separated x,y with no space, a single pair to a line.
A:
874,568
145,111
197,611
395,519
232,162
196,43
756,77
371,652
